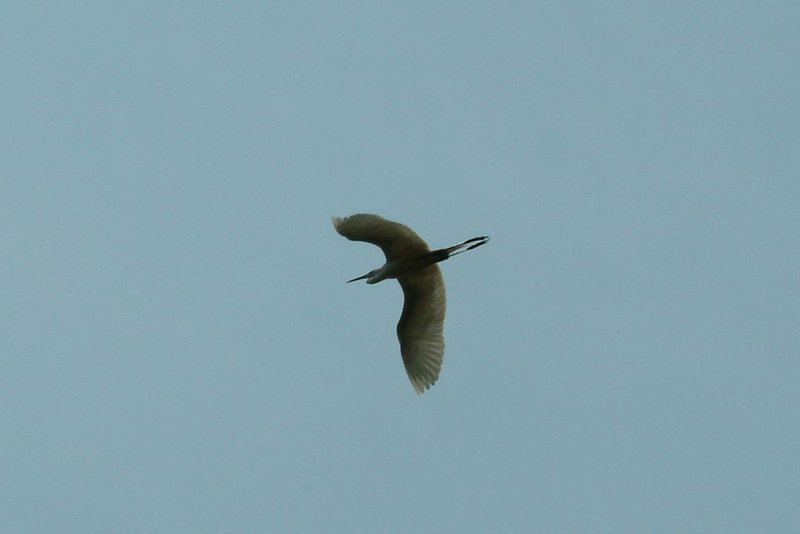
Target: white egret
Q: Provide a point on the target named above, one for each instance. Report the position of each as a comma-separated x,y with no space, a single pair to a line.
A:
409,259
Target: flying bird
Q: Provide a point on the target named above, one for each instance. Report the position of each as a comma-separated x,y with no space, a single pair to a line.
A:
413,264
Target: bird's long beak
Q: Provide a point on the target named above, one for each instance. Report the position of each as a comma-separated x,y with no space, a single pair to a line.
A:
360,277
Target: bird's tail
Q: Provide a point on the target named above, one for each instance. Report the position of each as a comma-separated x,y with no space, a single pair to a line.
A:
469,244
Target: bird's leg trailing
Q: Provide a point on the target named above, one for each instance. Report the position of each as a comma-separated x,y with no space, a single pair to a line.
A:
460,247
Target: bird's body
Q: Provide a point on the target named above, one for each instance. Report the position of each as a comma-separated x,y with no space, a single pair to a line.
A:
413,264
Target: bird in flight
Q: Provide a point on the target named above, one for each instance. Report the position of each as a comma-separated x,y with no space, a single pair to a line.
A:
413,264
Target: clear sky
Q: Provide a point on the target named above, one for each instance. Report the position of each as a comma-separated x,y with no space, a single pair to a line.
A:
179,351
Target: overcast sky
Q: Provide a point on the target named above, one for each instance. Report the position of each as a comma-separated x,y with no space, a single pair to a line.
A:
179,351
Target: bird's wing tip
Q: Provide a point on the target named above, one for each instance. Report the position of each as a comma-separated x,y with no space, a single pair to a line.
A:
420,385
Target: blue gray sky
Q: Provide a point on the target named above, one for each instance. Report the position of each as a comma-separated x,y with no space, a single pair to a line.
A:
179,349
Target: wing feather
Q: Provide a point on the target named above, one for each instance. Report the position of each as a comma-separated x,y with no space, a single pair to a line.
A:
421,326
395,239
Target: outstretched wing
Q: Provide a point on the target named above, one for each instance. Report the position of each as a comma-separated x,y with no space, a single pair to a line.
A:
395,239
421,326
